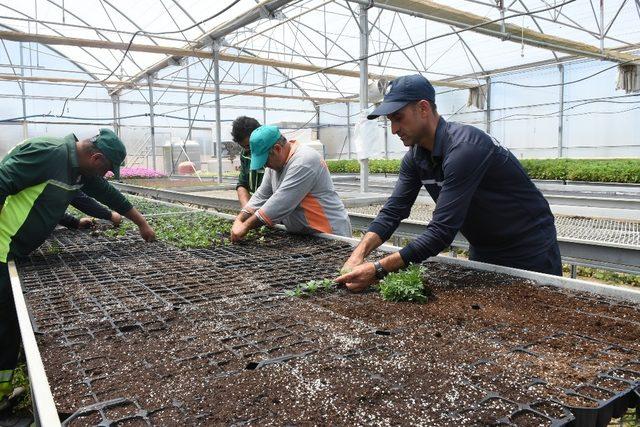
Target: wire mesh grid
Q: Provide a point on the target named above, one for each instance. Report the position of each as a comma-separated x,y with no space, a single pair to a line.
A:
218,312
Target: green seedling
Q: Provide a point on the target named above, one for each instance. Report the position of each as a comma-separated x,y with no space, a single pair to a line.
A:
327,284
297,292
54,249
344,270
311,287
405,285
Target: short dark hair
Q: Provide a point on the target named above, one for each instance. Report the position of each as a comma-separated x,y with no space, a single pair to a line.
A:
91,148
434,107
242,128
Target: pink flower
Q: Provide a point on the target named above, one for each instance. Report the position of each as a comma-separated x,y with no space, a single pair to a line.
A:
136,172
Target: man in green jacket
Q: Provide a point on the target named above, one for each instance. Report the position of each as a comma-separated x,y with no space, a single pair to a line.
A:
38,179
248,180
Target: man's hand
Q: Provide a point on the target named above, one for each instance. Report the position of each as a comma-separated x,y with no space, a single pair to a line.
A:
351,263
238,231
86,222
147,233
369,242
359,278
116,218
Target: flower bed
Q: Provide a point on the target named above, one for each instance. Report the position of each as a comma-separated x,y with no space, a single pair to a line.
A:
206,335
136,172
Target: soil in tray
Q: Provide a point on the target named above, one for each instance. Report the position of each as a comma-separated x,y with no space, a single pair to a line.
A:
529,419
345,358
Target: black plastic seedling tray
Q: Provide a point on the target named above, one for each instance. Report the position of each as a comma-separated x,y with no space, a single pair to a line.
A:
222,315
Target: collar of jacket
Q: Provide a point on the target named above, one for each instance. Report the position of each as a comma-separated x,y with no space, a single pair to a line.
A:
71,140
424,157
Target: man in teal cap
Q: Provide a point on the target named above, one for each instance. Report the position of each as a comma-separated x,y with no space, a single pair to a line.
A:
38,178
296,189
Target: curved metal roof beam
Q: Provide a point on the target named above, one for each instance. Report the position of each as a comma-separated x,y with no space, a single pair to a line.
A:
131,21
307,58
374,25
96,30
80,67
304,92
60,34
465,45
285,75
247,52
346,52
304,56
535,21
183,10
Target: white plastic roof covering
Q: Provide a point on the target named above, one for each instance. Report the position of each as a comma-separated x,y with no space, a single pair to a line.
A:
302,38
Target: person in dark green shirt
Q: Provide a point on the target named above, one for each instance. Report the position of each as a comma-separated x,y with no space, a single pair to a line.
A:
91,207
38,179
248,180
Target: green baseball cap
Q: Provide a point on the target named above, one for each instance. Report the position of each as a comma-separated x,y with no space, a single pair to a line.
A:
260,142
112,147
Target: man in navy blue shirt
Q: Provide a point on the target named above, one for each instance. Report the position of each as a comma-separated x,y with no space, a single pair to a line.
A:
479,187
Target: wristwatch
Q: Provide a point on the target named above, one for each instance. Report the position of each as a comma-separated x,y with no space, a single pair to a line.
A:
380,270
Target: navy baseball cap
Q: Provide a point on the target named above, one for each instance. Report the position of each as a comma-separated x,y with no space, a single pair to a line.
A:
401,91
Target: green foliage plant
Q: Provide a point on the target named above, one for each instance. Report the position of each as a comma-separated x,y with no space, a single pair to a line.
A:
405,285
595,170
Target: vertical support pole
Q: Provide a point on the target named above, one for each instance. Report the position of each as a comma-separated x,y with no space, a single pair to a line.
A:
115,100
216,77
349,130
188,103
25,128
561,111
364,87
487,112
574,271
152,122
317,122
501,7
264,98
602,25
386,138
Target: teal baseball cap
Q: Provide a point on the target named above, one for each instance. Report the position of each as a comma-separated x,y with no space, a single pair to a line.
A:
260,142
112,147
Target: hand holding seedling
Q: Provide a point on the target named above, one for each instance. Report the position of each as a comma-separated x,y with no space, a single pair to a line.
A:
116,218
359,278
364,275
242,225
238,231
353,261
85,223
147,233
145,229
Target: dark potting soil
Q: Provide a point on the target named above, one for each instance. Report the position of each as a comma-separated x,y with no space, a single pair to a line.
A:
148,333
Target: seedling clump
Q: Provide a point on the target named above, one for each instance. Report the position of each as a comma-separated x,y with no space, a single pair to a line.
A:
405,285
54,249
311,287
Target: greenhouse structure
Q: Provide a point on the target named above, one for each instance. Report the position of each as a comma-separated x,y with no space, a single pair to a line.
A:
320,212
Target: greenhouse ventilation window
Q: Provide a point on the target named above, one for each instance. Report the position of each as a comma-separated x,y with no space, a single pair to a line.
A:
477,97
628,78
